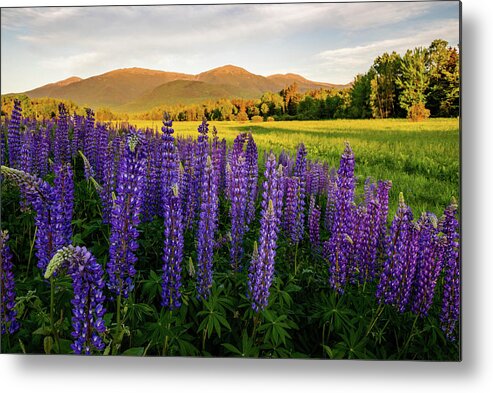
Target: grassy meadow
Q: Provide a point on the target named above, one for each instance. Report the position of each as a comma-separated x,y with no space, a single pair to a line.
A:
421,158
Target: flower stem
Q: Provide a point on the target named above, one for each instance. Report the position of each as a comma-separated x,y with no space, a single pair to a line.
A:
203,339
118,324
411,335
166,338
378,313
31,250
254,330
296,259
52,311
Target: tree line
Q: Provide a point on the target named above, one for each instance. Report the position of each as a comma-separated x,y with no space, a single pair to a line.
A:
423,82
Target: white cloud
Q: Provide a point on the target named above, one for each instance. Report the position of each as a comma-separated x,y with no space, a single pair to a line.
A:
193,24
85,41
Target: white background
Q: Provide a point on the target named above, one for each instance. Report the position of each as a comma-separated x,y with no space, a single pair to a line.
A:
474,373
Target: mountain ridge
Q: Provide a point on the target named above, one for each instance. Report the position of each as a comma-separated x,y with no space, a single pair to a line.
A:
141,89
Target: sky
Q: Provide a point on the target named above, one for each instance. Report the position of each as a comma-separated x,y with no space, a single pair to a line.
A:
326,42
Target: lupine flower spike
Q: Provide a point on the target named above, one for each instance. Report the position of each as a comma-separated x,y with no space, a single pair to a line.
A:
87,304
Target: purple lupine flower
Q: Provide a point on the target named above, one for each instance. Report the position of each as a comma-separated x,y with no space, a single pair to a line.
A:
77,133
340,244
238,144
262,266
369,190
222,168
41,196
308,178
313,180
252,173
397,250
216,154
383,189
273,187
43,151
87,304
35,150
89,141
324,178
62,143
360,240
125,217
157,186
331,200
14,135
238,208
366,242
102,134
261,269
108,183
283,158
406,272
63,206
200,159
169,167
150,179
450,314
26,153
2,145
8,314
111,164
25,162
292,209
173,251
300,171
228,181
429,264
233,154
208,221
188,186
255,275
278,195
314,224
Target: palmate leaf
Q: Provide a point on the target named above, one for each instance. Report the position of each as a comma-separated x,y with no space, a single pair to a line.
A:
139,351
215,312
334,353
233,349
354,345
275,328
152,286
248,347
331,309
136,312
212,322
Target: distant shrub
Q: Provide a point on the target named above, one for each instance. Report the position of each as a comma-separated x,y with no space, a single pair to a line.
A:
418,112
257,119
242,116
270,118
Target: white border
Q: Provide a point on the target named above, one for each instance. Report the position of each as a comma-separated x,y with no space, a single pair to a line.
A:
69,373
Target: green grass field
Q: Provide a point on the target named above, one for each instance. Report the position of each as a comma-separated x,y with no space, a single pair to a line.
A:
421,159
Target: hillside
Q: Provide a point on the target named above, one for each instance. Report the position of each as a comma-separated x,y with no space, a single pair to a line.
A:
179,92
139,89
111,89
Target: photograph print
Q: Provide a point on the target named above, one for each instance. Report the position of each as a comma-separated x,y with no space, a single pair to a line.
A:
234,180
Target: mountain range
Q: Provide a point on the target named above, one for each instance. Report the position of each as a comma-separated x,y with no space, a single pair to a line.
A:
139,89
